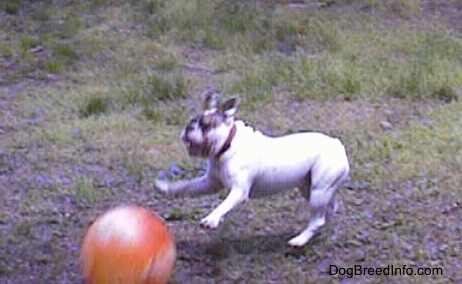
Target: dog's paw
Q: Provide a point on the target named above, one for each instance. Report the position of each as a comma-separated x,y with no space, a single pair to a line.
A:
210,222
299,241
162,186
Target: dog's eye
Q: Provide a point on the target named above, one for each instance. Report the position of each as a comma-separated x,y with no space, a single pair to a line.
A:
205,126
205,123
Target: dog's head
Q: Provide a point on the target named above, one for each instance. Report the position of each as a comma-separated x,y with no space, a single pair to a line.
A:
207,131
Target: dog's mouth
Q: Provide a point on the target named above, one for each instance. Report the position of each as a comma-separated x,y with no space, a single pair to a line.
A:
197,149
195,137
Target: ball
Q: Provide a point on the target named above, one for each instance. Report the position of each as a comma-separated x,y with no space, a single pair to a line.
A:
128,244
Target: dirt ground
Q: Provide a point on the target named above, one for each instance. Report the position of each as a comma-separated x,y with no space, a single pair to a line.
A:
40,232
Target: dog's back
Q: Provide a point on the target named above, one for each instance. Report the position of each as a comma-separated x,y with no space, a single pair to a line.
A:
283,162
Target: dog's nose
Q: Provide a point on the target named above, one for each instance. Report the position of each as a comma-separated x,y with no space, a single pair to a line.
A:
183,135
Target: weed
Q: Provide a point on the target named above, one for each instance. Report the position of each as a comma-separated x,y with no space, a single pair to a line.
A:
156,25
325,35
135,163
98,2
153,114
70,26
11,6
85,192
163,87
213,38
62,55
177,115
26,43
45,12
151,90
271,72
167,63
446,94
64,50
241,16
54,66
351,86
400,8
94,106
155,6
421,78
6,50
24,229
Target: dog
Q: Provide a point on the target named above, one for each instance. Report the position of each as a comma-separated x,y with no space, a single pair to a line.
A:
252,165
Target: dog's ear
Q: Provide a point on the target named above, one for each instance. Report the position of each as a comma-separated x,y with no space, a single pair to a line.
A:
210,97
229,107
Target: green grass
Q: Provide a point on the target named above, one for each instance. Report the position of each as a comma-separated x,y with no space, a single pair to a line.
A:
433,142
94,106
11,6
93,96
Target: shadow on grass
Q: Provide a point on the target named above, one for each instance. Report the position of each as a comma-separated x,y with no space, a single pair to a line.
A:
223,247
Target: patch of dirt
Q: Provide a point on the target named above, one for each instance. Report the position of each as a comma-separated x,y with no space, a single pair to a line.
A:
448,12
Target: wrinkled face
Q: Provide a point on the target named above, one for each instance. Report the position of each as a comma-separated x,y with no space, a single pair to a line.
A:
198,133
202,134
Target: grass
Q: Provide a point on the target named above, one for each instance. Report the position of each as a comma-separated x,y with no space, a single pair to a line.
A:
93,96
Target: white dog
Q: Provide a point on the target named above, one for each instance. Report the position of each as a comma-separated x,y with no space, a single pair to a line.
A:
253,165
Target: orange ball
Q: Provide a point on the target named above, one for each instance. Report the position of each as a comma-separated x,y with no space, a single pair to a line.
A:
128,244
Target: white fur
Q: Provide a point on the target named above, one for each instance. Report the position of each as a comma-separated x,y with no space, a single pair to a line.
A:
257,166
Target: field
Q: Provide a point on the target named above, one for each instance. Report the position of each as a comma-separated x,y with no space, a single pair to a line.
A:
94,94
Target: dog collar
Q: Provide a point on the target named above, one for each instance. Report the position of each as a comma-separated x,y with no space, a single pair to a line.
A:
228,141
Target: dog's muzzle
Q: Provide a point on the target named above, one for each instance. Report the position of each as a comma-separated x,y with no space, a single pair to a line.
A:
197,150
194,148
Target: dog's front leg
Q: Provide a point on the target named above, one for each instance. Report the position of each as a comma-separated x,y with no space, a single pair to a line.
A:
235,197
205,184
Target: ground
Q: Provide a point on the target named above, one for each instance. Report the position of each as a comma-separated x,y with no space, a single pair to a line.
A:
94,94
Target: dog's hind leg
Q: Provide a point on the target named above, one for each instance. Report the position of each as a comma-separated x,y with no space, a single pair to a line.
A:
322,202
